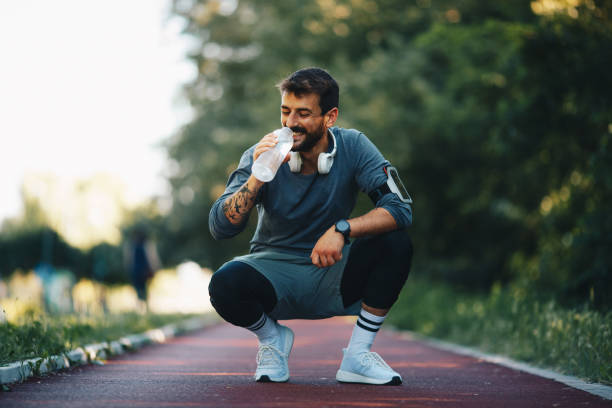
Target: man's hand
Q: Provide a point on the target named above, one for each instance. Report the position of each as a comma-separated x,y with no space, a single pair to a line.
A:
328,249
266,143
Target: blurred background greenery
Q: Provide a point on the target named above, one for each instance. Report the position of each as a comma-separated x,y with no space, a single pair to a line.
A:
497,114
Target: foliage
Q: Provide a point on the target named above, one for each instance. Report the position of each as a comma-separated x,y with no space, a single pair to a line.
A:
26,249
105,263
510,322
498,118
572,163
29,341
44,336
24,245
497,114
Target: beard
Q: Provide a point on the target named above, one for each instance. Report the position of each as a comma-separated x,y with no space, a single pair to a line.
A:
310,139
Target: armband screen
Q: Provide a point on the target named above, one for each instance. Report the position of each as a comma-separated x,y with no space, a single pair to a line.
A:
396,185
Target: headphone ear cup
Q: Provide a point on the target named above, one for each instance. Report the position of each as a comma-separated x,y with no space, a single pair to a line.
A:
325,162
295,162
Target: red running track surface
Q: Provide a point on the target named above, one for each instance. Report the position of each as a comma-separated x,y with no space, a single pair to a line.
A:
214,367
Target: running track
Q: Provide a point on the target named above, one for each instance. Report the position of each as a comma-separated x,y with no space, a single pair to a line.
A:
213,367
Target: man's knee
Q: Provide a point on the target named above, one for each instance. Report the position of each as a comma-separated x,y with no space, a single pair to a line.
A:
237,282
398,248
398,244
222,284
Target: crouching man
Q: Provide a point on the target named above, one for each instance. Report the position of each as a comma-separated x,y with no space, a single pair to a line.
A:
308,260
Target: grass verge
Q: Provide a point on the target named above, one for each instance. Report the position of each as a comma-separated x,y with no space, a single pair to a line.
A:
507,321
44,336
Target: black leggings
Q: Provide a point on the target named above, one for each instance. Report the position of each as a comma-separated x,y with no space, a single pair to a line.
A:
375,272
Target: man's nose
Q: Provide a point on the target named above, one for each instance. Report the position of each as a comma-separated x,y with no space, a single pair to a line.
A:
292,120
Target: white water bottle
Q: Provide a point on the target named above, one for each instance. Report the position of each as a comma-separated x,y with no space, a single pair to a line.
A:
267,164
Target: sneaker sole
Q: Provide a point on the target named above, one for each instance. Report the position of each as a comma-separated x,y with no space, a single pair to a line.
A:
288,343
352,378
266,379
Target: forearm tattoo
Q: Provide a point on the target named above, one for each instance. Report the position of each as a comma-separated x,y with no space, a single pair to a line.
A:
239,204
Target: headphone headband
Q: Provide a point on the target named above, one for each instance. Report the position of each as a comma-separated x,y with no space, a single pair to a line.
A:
333,152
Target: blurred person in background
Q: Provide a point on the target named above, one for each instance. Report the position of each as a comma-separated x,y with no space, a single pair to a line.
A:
303,264
141,262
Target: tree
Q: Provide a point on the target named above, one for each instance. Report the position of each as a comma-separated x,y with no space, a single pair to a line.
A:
478,104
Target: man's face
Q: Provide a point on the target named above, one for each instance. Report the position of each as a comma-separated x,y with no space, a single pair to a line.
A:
303,115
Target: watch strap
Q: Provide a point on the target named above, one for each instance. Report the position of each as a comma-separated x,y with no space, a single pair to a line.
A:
345,233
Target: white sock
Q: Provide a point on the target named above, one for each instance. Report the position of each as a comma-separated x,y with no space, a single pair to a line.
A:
265,329
365,331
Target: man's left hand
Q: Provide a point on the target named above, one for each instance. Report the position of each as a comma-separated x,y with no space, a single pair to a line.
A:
328,249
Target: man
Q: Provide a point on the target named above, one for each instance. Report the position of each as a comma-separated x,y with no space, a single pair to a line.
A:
302,263
141,260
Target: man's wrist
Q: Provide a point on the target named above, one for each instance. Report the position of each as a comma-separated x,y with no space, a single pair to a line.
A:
344,228
255,182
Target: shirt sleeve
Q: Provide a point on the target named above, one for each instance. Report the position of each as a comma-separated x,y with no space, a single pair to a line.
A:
370,174
220,227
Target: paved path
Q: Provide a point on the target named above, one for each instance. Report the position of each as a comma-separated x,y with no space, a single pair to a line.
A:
214,367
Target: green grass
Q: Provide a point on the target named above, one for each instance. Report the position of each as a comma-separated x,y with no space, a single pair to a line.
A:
509,322
43,336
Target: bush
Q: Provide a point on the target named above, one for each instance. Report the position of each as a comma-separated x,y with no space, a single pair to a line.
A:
513,322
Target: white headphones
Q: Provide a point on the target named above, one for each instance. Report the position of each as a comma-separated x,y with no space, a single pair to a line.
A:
324,162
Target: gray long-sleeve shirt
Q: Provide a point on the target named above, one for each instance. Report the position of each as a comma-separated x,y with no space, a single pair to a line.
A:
295,210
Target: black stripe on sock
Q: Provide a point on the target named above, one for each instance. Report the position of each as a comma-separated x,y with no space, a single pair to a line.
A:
260,325
369,321
366,327
371,326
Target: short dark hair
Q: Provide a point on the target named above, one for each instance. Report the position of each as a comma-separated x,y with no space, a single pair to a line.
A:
313,80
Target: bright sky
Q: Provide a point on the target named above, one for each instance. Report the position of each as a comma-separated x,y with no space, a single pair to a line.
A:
87,87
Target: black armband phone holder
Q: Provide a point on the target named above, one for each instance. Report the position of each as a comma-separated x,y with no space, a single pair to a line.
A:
393,185
379,192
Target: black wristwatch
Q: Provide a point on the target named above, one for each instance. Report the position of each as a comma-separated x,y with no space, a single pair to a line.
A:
344,228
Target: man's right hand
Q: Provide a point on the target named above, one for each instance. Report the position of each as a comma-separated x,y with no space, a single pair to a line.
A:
266,143
328,249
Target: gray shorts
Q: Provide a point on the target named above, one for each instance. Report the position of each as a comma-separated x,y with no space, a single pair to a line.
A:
303,290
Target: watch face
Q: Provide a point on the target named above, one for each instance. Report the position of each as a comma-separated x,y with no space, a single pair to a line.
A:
343,226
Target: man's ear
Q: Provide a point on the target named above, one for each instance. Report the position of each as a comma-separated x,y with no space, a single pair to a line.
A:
330,117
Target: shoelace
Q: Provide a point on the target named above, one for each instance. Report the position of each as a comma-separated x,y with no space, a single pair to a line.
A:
372,357
268,355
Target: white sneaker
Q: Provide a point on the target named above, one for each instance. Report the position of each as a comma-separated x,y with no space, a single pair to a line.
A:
366,367
273,359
